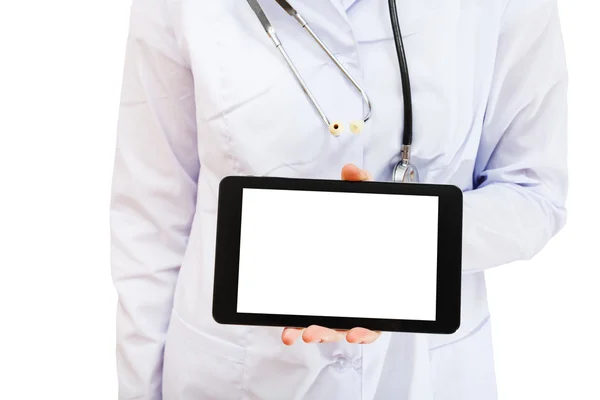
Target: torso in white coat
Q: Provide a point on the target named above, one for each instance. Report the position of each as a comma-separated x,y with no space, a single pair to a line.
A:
251,117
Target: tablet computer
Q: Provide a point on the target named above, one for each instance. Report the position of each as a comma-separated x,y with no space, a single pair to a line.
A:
299,252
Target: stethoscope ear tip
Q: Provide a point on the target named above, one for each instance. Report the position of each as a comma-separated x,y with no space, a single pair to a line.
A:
336,128
356,127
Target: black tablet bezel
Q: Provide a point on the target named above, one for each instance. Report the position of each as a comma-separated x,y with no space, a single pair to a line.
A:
449,271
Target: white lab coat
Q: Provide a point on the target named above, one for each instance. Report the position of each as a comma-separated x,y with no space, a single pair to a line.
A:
205,94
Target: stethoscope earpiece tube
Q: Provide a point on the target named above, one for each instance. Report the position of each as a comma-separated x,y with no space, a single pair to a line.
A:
260,14
406,90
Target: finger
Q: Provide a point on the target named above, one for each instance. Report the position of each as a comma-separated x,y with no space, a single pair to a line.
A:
319,334
362,336
351,172
290,335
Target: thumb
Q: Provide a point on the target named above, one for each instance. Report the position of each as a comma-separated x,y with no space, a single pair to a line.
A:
351,172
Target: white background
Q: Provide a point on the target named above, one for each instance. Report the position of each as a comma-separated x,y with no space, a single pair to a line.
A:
336,249
60,74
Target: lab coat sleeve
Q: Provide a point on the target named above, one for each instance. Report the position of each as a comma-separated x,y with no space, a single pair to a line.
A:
153,194
521,180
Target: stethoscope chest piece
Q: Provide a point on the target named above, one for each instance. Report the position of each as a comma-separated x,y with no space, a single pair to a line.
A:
405,173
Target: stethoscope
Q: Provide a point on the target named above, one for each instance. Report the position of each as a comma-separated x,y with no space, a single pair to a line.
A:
404,171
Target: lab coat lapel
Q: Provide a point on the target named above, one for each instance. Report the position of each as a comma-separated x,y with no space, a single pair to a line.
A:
329,20
346,4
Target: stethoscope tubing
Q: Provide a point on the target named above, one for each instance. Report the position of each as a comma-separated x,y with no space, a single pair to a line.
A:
403,171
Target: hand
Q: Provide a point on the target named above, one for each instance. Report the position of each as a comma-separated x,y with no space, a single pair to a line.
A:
319,334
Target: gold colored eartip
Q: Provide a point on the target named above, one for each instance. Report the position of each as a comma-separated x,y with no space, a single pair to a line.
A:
357,126
336,128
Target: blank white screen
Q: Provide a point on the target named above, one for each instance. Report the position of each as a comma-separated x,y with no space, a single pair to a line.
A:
338,254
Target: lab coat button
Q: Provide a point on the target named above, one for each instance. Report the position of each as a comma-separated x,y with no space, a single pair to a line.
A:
340,362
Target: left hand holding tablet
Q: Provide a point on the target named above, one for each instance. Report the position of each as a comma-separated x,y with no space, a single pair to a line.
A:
319,334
